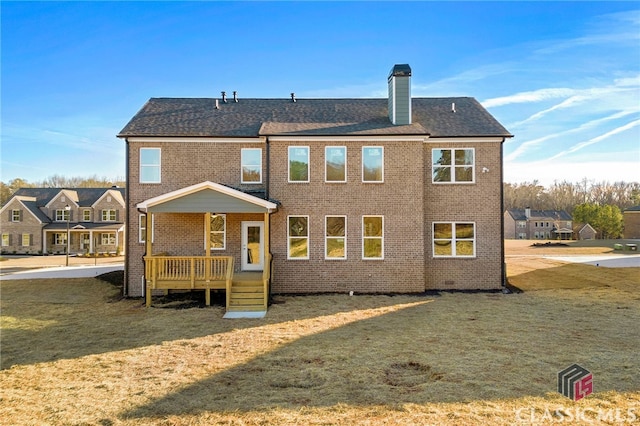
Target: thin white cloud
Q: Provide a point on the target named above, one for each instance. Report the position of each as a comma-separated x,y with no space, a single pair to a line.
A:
597,139
530,96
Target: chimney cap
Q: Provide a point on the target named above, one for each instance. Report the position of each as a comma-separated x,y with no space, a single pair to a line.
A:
400,70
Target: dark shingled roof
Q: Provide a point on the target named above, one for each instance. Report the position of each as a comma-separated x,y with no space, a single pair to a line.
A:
519,214
326,117
86,196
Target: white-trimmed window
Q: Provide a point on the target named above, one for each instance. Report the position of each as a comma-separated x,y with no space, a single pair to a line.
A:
218,232
62,215
298,164
6,240
522,224
142,228
453,165
373,164
16,215
373,237
454,239
297,237
335,169
60,238
335,237
251,165
86,215
150,160
109,215
26,240
108,239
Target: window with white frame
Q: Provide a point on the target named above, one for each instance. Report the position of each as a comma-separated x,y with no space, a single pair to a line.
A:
298,164
218,232
62,215
372,237
16,215
150,161
335,237
142,228
108,215
26,240
251,165
522,224
60,238
6,240
373,164
298,237
454,239
453,165
86,215
108,239
335,164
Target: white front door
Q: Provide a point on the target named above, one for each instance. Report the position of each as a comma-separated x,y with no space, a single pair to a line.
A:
252,246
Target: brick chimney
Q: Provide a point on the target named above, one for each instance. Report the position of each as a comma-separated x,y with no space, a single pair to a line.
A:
400,94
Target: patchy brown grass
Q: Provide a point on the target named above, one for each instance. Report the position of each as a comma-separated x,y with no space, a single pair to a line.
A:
72,353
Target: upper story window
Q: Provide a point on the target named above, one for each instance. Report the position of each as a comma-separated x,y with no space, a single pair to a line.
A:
16,215
298,164
335,237
372,164
298,237
108,215
218,231
86,215
522,224
150,165
62,215
454,239
453,165
251,164
335,163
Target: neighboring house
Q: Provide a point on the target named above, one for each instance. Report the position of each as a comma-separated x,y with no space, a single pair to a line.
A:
584,231
36,220
526,224
631,219
389,195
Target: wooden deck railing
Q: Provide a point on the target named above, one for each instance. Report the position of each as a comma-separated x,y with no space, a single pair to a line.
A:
188,272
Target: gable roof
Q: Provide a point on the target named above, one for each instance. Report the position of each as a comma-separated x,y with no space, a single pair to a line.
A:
86,197
29,203
519,214
198,117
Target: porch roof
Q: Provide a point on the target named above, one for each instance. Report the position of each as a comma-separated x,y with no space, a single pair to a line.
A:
207,197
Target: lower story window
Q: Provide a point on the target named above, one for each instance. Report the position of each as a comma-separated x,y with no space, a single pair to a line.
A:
26,240
108,239
218,232
298,237
59,238
5,240
454,239
372,237
335,237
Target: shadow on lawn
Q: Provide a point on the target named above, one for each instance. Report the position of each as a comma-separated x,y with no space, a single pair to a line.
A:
493,347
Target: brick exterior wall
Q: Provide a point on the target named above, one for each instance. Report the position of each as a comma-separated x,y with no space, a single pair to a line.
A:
407,199
28,224
480,203
631,224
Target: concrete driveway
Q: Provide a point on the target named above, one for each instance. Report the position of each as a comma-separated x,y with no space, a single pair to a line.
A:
35,267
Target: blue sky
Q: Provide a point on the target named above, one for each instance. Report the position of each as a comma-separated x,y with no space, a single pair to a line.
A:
563,77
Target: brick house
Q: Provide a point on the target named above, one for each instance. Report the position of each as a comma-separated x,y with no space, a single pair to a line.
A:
35,221
530,224
390,195
631,218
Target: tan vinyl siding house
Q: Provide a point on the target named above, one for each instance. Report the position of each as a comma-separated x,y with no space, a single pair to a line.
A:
315,195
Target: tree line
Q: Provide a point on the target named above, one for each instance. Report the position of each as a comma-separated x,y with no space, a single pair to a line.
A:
57,181
599,204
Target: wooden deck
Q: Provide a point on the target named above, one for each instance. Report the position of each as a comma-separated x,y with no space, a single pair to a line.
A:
245,291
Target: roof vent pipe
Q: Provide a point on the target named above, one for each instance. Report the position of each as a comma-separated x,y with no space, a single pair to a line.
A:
224,97
235,96
453,107
217,105
293,96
